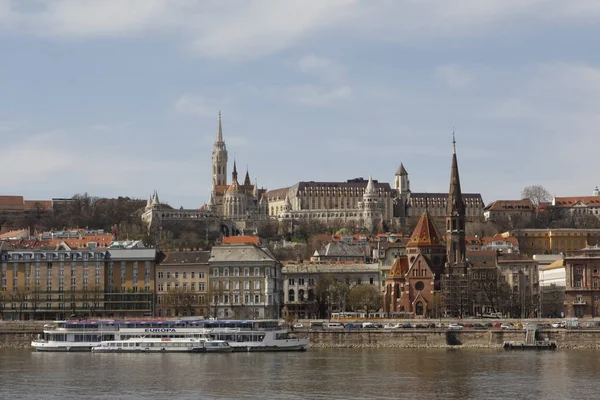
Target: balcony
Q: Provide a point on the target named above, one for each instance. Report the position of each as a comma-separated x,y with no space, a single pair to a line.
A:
576,303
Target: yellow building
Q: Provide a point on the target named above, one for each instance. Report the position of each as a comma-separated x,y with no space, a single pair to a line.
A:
182,284
554,241
54,284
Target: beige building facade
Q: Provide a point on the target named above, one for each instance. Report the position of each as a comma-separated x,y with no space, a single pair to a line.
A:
182,280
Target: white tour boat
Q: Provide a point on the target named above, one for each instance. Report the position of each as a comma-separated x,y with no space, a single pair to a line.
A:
242,335
163,345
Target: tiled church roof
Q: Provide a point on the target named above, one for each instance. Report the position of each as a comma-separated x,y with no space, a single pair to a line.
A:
425,233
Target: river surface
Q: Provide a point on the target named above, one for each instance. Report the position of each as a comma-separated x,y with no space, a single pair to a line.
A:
315,374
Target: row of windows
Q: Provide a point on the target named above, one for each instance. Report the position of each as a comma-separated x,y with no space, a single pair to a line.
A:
184,286
236,272
184,275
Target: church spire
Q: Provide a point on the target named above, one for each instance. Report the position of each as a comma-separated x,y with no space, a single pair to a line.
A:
234,173
247,181
455,204
455,215
219,130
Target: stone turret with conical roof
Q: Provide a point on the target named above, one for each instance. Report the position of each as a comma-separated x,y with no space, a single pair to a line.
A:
371,206
401,182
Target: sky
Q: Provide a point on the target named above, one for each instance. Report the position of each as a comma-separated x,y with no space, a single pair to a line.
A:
120,97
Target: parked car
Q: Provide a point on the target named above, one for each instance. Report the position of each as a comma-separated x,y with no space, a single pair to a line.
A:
478,326
391,326
352,326
455,326
406,326
560,324
507,326
298,325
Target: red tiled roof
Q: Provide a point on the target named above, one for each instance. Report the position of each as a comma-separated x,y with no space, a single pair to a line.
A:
425,233
399,268
510,205
570,201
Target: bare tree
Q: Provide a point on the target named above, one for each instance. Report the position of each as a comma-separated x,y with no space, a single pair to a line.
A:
537,194
365,298
181,302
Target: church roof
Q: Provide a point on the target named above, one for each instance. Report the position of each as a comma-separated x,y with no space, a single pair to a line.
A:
235,186
399,268
401,170
425,233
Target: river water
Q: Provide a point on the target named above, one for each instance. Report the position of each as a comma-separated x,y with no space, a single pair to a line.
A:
315,374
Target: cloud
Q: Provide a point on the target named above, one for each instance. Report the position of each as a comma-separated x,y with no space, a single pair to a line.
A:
453,76
254,28
319,96
323,68
191,104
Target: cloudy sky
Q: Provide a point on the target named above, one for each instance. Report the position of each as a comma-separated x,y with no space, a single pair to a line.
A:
120,97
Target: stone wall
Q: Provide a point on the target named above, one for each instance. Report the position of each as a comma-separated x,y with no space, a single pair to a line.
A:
19,334
440,338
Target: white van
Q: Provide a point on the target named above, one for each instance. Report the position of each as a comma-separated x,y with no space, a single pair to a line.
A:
333,325
368,325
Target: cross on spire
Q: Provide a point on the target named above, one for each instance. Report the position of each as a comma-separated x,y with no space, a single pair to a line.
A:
453,141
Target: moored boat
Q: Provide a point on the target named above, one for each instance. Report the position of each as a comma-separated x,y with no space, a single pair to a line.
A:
151,345
242,335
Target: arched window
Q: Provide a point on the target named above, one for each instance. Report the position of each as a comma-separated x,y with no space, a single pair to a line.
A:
419,308
216,272
291,296
301,295
246,271
226,272
236,271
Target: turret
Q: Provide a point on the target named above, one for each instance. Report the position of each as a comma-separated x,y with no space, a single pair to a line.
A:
401,182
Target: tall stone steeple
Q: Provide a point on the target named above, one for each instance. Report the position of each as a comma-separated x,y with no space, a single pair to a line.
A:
455,216
219,156
234,174
247,181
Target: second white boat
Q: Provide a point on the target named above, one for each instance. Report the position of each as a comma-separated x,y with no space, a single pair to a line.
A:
163,345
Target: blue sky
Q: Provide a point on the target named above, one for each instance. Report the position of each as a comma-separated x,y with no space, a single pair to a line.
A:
115,97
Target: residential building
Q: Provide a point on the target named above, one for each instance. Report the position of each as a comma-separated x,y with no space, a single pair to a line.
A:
582,291
510,210
182,280
552,286
579,204
245,282
521,275
300,281
17,205
53,284
338,251
553,241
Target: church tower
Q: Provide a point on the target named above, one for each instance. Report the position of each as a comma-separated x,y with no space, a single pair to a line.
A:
219,157
455,217
401,182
